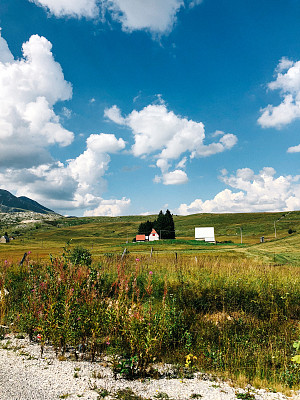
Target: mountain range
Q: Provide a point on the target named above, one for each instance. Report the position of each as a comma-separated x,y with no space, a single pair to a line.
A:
10,203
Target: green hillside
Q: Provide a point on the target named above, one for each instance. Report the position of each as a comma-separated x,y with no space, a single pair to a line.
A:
104,235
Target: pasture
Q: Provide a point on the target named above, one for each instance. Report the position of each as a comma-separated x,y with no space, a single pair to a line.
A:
231,308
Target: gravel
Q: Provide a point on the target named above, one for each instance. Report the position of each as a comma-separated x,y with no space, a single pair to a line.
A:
25,375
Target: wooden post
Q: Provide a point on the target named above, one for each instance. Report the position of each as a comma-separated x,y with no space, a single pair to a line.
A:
124,252
151,252
23,259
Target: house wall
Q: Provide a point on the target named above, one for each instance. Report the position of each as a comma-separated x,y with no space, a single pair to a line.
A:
206,233
153,237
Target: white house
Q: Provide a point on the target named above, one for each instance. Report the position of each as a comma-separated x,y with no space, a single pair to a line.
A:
207,234
153,236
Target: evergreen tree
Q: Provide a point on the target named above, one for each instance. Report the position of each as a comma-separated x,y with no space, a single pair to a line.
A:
159,224
169,225
164,226
145,228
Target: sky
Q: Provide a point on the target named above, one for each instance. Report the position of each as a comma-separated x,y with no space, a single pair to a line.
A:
127,107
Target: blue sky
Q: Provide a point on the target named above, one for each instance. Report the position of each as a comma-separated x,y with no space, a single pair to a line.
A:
114,107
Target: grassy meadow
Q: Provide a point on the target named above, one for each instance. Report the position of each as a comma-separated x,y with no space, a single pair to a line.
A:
230,309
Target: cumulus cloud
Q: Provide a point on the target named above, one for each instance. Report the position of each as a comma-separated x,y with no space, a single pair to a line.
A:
109,208
288,83
261,192
156,16
70,8
29,88
77,184
177,177
167,136
294,149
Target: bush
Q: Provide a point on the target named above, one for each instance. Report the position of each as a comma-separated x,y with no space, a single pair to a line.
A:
80,255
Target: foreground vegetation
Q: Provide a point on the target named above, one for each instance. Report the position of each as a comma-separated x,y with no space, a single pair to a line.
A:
222,314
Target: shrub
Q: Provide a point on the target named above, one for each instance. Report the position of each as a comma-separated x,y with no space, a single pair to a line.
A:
80,255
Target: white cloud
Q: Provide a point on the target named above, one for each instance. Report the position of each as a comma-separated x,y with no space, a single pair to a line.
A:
89,168
177,177
71,8
109,208
156,16
166,136
78,184
294,149
288,83
261,192
114,114
5,54
29,88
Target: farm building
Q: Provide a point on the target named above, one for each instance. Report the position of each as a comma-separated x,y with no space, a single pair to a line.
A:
143,238
153,236
206,233
4,239
140,238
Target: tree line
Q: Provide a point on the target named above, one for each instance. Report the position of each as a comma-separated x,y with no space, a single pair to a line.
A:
164,226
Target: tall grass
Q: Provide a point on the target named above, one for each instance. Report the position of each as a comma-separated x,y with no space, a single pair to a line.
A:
236,316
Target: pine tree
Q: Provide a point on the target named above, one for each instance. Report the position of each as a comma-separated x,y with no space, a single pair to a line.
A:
164,226
169,226
159,224
145,228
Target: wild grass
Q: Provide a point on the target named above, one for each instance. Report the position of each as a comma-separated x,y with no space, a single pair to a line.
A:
230,315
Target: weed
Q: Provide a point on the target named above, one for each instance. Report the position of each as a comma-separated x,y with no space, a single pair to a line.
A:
126,394
245,396
161,396
102,392
96,375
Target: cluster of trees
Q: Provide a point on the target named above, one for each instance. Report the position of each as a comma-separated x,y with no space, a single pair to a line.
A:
164,226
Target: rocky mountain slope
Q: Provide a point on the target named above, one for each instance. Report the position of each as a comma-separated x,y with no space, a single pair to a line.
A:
10,203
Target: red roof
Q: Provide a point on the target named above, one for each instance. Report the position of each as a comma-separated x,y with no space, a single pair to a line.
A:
153,231
140,237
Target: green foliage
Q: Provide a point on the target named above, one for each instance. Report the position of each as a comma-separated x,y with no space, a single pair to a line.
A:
245,396
219,314
164,226
145,228
80,255
126,394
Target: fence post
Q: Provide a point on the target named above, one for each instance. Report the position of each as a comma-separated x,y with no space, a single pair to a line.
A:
124,252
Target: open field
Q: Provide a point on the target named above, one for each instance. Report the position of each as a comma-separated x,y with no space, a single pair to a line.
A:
234,307
103,235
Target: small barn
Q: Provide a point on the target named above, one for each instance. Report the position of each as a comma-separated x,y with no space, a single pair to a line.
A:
153,236
205,233
140,238
4,239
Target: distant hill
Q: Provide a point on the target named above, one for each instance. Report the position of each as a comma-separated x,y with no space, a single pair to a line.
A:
10,203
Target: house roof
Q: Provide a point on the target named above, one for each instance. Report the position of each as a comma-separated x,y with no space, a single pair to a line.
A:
153,231
140,237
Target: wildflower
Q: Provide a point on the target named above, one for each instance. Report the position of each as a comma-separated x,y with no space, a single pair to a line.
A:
137,259
29,252
150,272
39,336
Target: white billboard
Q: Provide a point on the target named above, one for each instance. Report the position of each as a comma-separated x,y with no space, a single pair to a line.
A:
207,234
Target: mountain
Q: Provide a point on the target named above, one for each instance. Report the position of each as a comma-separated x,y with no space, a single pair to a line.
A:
10,203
